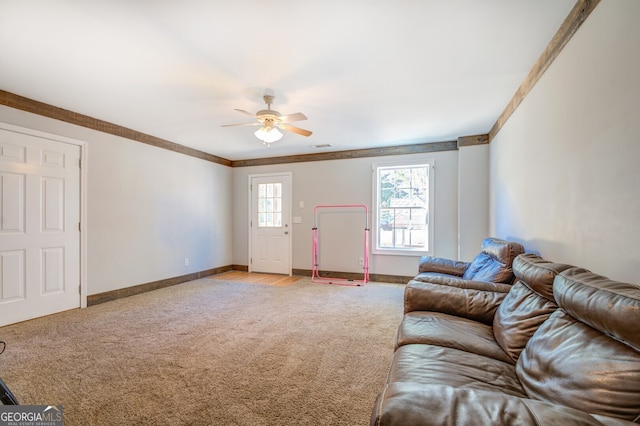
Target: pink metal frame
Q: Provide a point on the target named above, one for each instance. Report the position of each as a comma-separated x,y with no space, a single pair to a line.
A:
315,274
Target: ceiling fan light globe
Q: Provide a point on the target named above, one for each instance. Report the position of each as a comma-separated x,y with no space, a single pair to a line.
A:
268,135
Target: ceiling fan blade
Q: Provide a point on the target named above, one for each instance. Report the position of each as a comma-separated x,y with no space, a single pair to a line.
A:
297,130
245,112
298,116
257,123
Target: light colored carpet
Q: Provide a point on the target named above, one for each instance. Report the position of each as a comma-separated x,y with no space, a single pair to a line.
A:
211,352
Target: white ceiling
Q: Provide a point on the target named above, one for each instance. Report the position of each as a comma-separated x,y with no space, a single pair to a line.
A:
366,73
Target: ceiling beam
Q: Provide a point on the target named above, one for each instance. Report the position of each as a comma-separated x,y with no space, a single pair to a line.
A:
472,140
350,154
573,21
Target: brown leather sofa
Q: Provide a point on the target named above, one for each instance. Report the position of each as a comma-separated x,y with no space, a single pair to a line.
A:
492,265
561,348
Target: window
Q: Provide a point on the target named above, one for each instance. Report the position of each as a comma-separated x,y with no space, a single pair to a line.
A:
269,205
403,208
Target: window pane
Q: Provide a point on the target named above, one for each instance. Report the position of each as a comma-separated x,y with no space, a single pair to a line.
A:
402,207
402,219
270,205
418,217
416,237
385,238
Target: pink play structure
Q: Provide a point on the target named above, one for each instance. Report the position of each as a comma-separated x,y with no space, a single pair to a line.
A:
315,274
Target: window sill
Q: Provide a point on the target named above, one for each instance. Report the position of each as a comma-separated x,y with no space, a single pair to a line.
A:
401,252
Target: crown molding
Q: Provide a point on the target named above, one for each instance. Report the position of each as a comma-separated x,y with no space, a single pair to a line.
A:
472,140
40,108
351,154
571,24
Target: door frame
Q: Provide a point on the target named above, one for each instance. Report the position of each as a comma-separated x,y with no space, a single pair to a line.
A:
288,206
83,194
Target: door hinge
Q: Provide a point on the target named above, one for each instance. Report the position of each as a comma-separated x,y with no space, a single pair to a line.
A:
80,226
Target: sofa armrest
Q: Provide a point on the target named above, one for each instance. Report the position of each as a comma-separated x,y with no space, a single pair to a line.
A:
442,266
477,305
408,403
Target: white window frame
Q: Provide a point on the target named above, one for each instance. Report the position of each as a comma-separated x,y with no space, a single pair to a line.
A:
416,161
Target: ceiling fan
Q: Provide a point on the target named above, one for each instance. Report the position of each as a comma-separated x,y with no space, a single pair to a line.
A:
270,121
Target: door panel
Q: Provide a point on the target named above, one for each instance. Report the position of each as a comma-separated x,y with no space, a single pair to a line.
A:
39,231
12,278
270,245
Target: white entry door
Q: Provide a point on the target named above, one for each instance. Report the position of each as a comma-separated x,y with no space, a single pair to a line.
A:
39,231
270,226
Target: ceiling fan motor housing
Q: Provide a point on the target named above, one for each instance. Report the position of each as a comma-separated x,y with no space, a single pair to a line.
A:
269,121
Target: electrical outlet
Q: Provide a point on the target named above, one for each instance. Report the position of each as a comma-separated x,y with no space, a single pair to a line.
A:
361,261
186,261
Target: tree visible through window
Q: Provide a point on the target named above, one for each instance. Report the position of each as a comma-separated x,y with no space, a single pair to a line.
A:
402,197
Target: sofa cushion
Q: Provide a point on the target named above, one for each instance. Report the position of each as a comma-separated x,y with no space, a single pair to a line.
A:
586,355
431,364
440,265
440,329
406,403
443,279
609,306
469,303
494,263
528,304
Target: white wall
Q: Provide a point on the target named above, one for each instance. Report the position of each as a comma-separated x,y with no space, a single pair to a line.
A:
473,200
147,208
346,182
565,174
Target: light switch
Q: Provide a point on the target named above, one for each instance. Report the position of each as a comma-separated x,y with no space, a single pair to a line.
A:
302,204
297,219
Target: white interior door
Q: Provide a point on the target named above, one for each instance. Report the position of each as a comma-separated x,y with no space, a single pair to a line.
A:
270,226
39,231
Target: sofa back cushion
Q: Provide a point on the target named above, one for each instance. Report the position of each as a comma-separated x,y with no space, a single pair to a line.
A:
587,354
528,304
494,263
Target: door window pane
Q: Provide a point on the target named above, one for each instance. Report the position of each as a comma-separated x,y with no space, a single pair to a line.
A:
269,205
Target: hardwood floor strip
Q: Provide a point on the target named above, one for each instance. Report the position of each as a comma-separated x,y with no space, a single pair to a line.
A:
257,278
